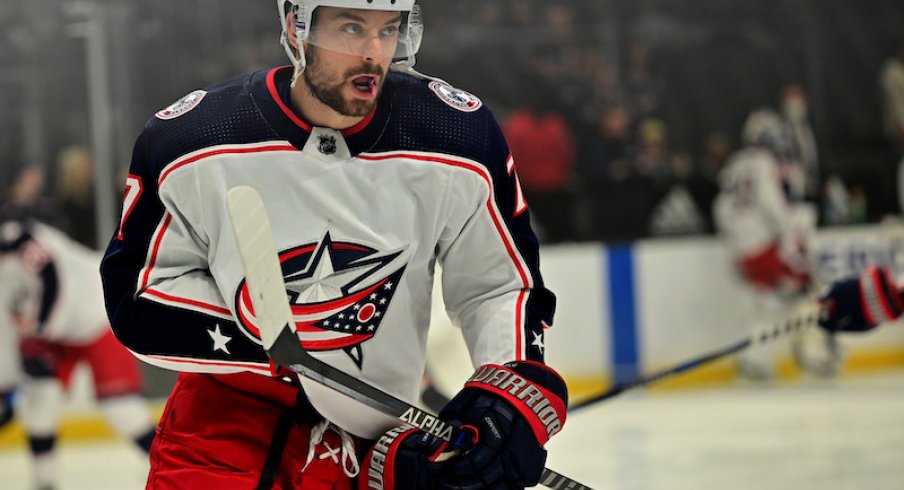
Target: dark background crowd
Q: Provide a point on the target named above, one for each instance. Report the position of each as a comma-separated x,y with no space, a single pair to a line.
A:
619,113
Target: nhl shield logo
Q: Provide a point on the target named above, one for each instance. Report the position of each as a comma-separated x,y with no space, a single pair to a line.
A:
338,291
326,144
182,105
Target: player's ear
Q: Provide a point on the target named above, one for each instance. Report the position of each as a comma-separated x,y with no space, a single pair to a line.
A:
290,29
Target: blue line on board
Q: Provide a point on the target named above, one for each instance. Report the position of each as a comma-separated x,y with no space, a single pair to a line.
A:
623,312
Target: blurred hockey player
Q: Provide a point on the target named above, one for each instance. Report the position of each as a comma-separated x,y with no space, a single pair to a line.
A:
372,175
51,319
768,230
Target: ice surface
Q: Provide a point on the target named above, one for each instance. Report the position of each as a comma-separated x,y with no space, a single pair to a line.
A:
798,435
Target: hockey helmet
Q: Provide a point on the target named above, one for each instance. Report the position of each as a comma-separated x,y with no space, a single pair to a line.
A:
766,129
405,42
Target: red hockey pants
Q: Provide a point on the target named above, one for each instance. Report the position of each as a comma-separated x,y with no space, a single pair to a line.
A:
242,432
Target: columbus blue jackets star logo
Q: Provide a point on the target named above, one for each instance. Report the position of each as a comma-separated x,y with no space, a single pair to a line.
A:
339,293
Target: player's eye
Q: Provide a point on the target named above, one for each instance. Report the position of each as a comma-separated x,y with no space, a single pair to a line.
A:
390,31
354,29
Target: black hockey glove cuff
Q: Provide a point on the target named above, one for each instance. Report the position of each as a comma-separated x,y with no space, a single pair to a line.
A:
403,458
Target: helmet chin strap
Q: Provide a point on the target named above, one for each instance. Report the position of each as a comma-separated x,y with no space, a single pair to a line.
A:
299,62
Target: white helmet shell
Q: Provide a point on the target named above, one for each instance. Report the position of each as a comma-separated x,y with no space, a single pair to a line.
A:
767,129
410,33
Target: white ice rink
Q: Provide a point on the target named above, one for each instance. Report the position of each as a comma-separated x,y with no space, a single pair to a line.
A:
845,435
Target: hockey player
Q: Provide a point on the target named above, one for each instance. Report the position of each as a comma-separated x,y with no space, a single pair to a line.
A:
767,232
52,318
372,174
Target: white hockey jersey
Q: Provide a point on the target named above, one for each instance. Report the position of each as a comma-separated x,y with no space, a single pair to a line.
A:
361,217
751,211
50,287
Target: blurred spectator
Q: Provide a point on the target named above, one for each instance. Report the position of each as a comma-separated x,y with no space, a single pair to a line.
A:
606,166
523,14
24,197
557,56
657,27
836,206
543,149
892,84
704,182
75,193
637,186
642,88
652,158
609,153
858,202
796,114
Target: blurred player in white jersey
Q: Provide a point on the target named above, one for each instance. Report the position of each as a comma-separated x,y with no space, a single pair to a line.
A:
767,228
51,319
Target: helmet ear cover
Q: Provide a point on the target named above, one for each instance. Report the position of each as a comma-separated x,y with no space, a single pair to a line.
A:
304,14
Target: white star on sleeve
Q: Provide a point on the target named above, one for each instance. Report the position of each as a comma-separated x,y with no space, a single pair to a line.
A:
219,340
538,341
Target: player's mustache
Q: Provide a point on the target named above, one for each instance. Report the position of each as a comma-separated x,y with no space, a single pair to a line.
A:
375,70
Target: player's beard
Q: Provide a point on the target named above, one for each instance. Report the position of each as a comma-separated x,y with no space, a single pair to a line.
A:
324,86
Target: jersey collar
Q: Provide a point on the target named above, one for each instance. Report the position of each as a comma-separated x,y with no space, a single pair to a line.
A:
270,90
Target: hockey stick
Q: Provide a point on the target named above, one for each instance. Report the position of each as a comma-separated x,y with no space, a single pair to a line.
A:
806,316
434,399
267,288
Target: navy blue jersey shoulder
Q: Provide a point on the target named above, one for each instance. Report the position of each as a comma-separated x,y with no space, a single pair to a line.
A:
226,114
422,121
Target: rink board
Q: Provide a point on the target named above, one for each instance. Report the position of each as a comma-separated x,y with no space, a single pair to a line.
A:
629,308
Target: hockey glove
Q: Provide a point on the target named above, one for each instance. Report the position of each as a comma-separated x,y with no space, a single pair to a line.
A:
403,458
514,410
858,304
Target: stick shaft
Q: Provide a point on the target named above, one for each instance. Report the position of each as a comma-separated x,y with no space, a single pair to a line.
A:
804,317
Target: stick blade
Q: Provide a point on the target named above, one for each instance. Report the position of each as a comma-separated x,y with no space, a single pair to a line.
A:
260,261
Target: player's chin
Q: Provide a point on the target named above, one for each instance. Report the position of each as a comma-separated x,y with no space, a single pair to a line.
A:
358,107
361,104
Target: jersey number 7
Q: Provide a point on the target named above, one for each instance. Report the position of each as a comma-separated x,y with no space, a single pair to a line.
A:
134,189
